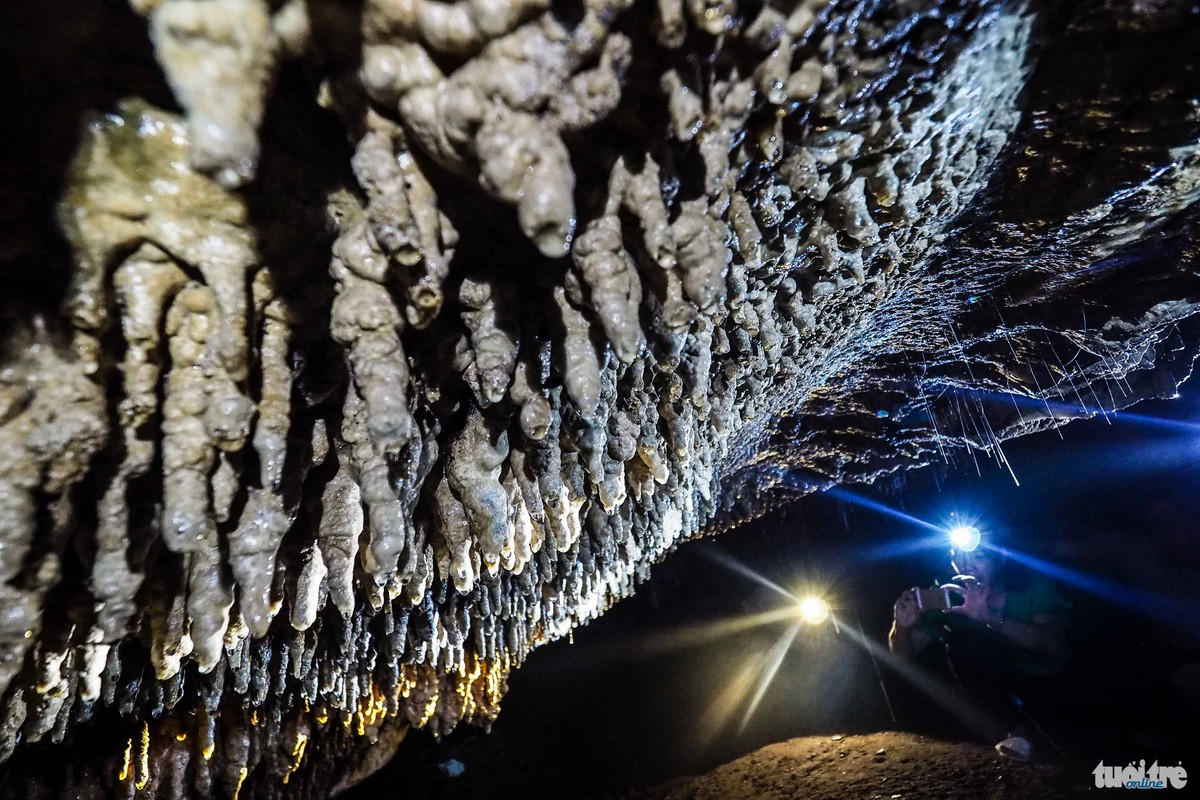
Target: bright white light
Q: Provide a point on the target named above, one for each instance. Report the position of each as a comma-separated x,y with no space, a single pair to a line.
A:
814,610
965,537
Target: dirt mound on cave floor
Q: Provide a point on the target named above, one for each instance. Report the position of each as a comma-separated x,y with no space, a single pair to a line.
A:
888,766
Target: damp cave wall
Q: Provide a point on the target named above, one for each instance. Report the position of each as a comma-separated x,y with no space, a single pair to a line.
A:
351,351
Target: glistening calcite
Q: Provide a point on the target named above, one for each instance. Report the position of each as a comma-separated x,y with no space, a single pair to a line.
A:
354,399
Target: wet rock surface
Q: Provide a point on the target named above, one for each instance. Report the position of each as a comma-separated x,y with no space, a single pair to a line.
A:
361,349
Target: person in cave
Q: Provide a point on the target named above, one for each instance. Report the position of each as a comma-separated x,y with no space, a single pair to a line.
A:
1004,644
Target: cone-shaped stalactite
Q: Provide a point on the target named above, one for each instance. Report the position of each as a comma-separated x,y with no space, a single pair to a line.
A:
327,436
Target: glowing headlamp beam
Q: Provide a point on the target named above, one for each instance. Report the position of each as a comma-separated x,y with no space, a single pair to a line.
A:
965,537
1176,612
813,610
882,508
959,705
733,565
774,660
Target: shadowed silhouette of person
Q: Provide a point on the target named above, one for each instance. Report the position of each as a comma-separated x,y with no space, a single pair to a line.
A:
1004,641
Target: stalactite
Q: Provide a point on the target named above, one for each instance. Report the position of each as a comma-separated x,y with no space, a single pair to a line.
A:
575,282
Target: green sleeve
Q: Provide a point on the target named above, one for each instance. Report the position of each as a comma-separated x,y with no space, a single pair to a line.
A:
1040,597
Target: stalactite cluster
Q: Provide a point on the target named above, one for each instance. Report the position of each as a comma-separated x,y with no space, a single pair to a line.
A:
586,273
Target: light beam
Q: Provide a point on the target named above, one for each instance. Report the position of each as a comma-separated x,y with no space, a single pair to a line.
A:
965,537
813,610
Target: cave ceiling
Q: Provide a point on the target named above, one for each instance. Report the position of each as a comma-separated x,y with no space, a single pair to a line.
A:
353,350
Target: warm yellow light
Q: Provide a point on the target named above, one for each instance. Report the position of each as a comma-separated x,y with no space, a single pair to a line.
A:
814,610
143,777
241,779
128,760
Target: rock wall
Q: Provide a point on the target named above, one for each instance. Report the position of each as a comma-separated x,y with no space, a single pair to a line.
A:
417,331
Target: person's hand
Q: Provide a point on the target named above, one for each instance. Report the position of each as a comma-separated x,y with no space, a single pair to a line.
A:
975,601
907,611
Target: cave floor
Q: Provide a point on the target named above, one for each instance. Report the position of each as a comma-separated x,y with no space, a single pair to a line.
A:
886,766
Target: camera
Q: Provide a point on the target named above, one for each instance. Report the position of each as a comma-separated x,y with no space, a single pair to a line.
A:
946,596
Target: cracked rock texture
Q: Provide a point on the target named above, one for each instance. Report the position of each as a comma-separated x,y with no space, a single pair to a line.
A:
352,350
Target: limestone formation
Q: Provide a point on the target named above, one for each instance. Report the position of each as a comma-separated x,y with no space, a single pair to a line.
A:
414,332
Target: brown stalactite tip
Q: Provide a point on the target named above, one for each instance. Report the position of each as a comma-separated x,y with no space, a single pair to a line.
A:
420,329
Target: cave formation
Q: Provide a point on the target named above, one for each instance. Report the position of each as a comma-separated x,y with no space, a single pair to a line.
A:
354,349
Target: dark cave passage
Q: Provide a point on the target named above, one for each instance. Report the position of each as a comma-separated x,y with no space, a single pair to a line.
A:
358,356
630,704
